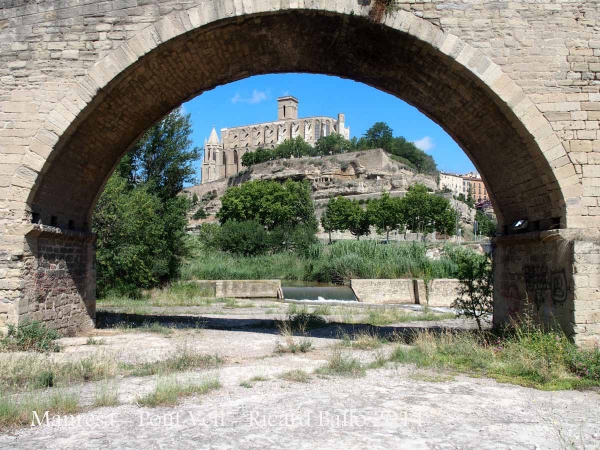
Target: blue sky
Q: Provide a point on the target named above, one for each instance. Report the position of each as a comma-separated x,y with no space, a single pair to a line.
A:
254,100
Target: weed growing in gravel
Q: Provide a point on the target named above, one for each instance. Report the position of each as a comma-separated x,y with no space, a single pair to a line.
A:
30,336
527,356
184,358
31,371
343,364
93,341
290,343
255,379
297,376
107,394
363,340
168,391
16,411
387,316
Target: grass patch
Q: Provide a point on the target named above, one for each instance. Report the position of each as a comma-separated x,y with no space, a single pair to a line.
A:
20,411
431,378
363,340
185,358
24,372
296,376
232,303
387,316
343,364
322,310
30,336
168,391
527,357
250,383
180,293
94,341
292,344
323,263
107,394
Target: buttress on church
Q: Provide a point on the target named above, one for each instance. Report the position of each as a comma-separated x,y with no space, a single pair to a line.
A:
223,158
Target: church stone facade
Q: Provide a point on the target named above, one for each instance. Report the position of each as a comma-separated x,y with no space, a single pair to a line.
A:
223,158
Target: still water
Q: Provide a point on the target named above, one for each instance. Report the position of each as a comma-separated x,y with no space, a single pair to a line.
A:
293,290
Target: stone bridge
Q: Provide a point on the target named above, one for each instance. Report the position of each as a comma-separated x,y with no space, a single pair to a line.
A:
515,83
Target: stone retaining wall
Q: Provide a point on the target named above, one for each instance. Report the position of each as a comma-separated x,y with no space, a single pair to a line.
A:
243,288
384,291
439,292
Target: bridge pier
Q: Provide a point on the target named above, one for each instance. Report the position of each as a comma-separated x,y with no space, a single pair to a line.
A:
53,279
552,276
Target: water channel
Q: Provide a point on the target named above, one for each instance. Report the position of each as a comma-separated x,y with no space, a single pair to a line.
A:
301,290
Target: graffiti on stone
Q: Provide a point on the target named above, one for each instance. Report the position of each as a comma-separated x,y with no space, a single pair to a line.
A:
559,287
544,284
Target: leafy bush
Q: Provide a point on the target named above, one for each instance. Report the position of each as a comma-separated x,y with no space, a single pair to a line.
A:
475,295
200,214
208,234
243,238
30,336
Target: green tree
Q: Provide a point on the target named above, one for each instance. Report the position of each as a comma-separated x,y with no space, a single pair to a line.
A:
334,217
343,214
409,151
424,212
163,157
380,135
295,147
139,237
333,144
140,218
487,226
475,295
269,203
386,214
357,220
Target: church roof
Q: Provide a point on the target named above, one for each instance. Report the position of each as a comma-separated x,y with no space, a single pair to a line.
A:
213,138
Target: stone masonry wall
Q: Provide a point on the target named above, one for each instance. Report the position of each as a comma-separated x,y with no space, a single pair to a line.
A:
59,280
551,276
517,83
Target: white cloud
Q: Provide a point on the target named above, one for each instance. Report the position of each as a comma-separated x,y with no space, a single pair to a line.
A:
425,143
257,96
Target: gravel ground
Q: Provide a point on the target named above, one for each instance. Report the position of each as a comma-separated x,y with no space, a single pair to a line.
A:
397,406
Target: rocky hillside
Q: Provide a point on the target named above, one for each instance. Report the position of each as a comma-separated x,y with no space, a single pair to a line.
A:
357,175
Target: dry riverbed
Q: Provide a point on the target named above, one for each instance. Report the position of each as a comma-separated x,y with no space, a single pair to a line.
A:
252,385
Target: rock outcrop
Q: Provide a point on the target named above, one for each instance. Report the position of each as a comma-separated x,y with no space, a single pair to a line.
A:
358,175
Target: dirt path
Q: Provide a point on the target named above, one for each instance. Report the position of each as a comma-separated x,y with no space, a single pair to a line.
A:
396,407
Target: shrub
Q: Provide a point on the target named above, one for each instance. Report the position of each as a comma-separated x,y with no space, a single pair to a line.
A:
30,336
243,238
475,295
200,214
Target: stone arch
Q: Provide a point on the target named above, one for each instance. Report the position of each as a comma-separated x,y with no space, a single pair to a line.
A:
236,161
514,147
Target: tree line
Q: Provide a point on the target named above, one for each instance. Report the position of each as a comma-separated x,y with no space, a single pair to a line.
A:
417,211
380,135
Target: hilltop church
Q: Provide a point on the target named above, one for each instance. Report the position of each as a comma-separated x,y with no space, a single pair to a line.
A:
223,158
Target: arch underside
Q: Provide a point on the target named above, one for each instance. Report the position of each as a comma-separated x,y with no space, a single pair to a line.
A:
518,177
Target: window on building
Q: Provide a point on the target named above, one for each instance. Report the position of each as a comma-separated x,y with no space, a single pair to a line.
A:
317,130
